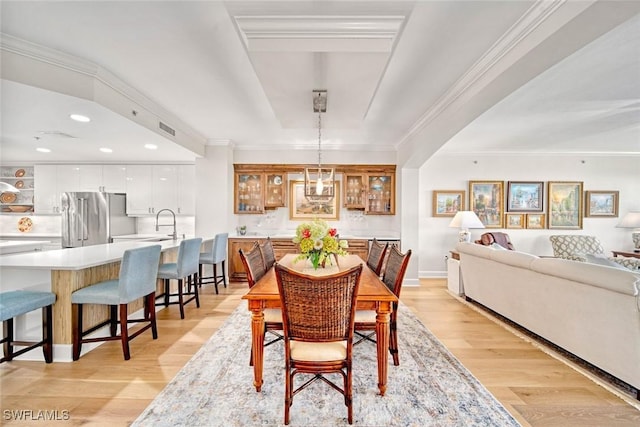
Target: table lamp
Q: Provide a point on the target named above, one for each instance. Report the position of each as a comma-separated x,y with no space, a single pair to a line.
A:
464,220
632,220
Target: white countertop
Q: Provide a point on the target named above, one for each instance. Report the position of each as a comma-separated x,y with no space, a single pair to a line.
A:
10,246
290,236
77,258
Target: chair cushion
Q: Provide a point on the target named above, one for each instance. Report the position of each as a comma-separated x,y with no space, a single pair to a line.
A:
168,271
100,293
602,260
273,315
15,303
318,351
365,316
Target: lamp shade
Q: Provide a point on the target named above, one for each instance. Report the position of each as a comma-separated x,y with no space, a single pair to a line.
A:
466,220
630,220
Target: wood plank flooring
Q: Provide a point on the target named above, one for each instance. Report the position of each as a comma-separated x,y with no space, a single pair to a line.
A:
102,389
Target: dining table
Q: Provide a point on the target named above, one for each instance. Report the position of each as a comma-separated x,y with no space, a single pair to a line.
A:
373,294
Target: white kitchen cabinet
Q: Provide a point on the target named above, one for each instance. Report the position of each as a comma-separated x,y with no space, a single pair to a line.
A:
106,178
186,190
151,188
50,181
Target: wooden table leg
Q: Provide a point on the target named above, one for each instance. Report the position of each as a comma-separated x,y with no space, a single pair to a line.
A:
257,342
382,344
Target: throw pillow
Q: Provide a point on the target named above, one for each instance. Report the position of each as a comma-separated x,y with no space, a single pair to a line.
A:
497,246
602,260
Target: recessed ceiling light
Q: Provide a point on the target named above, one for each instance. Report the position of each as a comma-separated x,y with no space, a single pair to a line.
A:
79,118
106,150
151,146
43,150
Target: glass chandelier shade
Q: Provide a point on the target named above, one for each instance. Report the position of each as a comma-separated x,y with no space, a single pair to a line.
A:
319,182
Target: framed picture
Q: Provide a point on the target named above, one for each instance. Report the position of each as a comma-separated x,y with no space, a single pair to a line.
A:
601,204
514,220
565,205
525,196
486,200
536,221
448,202
301,209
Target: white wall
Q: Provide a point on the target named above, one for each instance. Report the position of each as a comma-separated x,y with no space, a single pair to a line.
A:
453,172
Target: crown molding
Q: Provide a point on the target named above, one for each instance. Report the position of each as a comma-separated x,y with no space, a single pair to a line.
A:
82,66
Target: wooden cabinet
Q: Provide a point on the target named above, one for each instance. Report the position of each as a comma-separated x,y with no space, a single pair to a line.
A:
281,247
248,195
275,195
354,190
358,247
20,177
380,194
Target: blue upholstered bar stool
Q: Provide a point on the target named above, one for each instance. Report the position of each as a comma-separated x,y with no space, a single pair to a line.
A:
186,266
217,255
16,303
137,279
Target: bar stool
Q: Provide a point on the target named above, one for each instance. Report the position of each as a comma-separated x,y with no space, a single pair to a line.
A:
185,267
16,303
137,279
217,255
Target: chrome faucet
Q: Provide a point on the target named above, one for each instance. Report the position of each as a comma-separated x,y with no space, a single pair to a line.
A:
175,234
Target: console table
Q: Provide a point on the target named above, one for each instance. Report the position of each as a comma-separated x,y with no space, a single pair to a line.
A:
626,253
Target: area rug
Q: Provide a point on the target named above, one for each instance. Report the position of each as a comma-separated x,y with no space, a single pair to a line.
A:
429,388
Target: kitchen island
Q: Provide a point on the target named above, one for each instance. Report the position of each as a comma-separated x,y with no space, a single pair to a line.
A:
64,271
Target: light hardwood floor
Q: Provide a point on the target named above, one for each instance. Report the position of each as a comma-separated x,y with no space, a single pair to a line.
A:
102,389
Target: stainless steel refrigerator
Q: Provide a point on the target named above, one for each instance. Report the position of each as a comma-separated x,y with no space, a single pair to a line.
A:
93,218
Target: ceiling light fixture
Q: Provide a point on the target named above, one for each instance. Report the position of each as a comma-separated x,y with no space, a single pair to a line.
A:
106,150
318,182
151,146
43,150
79,118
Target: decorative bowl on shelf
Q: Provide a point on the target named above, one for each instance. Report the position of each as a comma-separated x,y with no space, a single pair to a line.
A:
19,184
20,173
8,197
20,208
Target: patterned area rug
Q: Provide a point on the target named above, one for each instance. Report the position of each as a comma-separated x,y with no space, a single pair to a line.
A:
429,388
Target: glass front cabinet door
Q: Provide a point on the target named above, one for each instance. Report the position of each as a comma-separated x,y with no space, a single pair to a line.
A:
275,191
249,196
380,194
354,191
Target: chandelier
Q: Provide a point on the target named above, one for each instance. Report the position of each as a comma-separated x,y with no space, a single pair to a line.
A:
318,182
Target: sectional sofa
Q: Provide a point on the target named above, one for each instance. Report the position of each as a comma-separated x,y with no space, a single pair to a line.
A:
590,310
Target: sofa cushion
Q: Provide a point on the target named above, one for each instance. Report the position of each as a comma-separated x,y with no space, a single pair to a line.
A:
514,258
474,249
614,279
602,260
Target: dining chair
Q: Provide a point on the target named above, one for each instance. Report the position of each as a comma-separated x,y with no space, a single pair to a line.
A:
268,254
375,259
217,255
136,279
392,277
186,267
318,319
253,263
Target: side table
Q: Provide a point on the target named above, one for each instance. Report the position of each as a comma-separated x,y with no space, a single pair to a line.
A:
454,278
626,253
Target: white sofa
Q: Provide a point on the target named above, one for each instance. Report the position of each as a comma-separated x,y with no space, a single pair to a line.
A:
590,310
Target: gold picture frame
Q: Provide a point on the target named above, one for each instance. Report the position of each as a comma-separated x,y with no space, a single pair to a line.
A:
448,202
601,204
514,220
565,205
300,209
486,199
536,221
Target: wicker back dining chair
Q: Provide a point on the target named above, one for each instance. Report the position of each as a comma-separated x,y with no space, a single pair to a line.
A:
375,259
268,254
393,276
253,263
318,317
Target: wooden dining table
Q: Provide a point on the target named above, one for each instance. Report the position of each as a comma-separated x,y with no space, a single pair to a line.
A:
372,295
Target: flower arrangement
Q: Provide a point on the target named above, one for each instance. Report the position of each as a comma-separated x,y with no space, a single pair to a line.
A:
318,241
